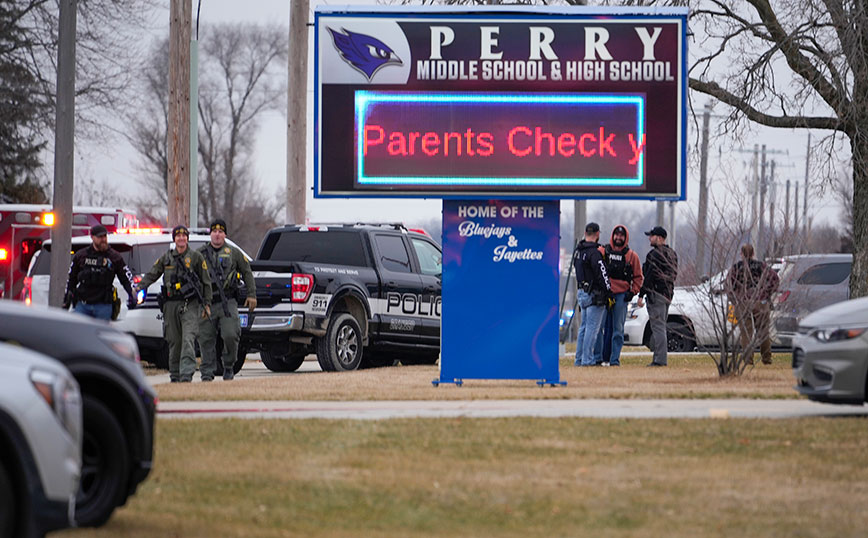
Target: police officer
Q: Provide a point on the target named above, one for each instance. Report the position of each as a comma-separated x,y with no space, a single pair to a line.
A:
660,270
91,274
185,296
594,291
226,266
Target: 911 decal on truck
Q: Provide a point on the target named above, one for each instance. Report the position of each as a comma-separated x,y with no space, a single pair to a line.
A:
356,295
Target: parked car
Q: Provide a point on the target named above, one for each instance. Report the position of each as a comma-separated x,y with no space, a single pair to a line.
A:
809,282
830,353
40,443
118,404
140,248
696,316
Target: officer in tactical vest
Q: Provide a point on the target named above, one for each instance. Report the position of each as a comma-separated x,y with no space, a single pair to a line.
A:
625,275
184,298
91,274
226,266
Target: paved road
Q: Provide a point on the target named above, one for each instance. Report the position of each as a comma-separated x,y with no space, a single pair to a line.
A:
605,408
375,410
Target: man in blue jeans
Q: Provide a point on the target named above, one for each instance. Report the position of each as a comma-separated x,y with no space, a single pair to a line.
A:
625,276
594,292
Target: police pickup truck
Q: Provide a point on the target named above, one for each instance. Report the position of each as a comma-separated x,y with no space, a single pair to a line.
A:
356,295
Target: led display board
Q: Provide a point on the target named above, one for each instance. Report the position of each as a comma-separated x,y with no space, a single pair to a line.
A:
573,103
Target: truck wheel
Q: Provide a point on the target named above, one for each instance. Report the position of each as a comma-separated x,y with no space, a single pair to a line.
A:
8,507
341,347
158,356
105,465
679,337
426,357
282,363
239,360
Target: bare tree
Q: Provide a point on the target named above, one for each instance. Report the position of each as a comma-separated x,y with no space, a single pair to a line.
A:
776,65
107,36
148,122
240,80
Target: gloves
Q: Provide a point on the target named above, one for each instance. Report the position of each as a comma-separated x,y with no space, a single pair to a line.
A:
250,303
206,312
628,297
610,303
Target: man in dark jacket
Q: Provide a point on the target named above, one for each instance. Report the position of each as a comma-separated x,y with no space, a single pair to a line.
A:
91,275
750,284
594,292
660,270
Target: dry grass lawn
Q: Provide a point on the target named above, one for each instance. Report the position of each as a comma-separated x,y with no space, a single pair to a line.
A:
516,477
687,376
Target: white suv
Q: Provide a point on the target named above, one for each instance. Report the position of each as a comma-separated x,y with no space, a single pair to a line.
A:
696,316
140,248
40,443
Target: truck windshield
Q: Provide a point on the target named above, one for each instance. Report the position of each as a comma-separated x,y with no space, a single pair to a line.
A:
332,247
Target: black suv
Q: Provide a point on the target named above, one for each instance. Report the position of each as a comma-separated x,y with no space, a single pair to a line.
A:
118,404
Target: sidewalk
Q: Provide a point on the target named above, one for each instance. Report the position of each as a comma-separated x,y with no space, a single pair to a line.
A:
608,408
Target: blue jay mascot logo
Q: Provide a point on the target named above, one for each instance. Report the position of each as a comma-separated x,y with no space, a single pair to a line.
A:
365,53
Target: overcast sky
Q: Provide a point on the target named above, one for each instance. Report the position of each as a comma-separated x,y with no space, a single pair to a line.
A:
119,168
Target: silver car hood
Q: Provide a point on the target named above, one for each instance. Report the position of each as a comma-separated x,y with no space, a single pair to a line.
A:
851,312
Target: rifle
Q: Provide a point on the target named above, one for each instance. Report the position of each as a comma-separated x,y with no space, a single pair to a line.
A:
191,285
217,276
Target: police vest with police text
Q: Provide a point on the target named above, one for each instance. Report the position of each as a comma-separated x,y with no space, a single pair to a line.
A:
617,264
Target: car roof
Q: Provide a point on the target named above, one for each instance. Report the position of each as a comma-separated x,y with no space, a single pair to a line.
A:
830,256
137,239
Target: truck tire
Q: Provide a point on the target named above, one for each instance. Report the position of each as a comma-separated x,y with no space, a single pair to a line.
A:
8,503
420,357
282,363
105,465
239,360
340,349
160,356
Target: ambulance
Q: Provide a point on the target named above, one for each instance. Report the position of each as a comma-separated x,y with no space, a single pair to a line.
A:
23,228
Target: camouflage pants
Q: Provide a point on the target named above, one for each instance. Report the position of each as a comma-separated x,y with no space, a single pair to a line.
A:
230,333
181,323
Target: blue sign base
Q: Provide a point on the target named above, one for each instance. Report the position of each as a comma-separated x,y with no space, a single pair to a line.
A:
500,291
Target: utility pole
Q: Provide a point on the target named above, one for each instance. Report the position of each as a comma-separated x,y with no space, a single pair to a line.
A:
796,213
772,195
805,193
194,123
672,223
702,216
787,221
64,153
180,17
760,250
580,218
754,191
296,128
